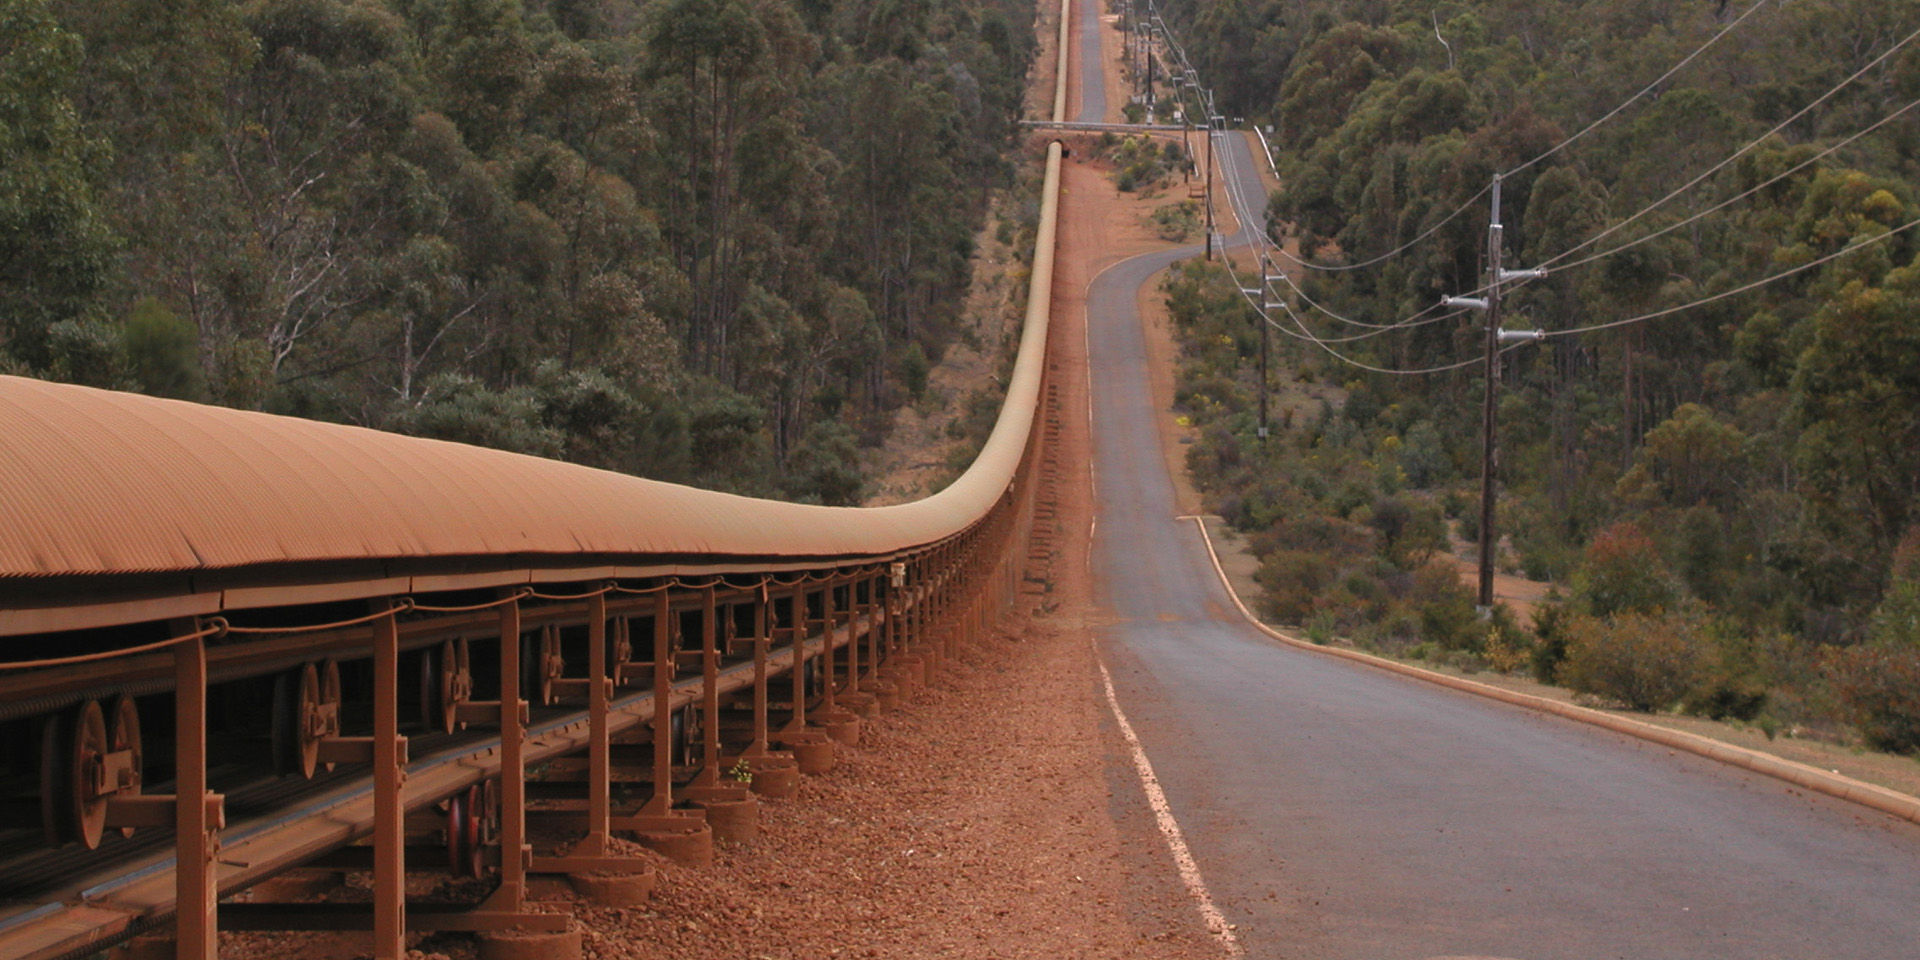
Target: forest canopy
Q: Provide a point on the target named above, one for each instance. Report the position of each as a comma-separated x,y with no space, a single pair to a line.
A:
688,239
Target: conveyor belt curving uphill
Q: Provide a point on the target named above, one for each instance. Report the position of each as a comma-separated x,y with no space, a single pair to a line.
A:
232,643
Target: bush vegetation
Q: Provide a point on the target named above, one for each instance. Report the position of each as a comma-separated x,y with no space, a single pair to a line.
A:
1721,495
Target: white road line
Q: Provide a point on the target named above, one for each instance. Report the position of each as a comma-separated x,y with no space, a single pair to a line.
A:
1170,829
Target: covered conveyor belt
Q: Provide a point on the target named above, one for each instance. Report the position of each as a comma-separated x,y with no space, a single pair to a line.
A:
267,640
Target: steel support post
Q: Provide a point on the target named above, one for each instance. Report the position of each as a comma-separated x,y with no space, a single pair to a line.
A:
663,670
389,773
921,594
658,815
896,612
890,605
856,611
871,612
196,891
593,853
710,690
762,638
599,737
514,852
931,595
949,599
798,639
830,619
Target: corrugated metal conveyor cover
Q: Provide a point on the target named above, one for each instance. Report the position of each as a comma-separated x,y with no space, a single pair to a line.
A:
99,482
94,482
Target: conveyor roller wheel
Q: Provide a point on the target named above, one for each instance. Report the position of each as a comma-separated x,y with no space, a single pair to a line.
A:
74,747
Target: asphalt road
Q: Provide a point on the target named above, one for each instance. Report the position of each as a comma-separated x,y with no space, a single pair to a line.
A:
1342,812
1093,93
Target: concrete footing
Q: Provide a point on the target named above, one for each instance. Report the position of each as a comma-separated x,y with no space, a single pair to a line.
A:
844,728
691,847
775,778
912,672
523,945
815,757
615,889
733,822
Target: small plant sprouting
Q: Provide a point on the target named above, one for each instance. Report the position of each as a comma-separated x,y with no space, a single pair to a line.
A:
741,771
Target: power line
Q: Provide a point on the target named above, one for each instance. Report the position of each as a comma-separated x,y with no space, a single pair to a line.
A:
1361,364
1771,278
1550,151
1737,154
1744,194
1663,78
1237,197
1716,208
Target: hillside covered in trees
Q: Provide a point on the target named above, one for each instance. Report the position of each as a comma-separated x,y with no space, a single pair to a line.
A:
697,240
1726,492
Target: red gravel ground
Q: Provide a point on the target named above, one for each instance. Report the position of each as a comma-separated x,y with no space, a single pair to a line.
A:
987,818
994,816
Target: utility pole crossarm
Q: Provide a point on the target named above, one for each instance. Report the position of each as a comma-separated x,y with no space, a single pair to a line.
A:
1489,421
1489,425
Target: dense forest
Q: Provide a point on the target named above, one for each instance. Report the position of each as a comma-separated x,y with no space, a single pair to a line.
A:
698,240
1725,493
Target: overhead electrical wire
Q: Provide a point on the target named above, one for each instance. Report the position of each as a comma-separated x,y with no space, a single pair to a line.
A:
1649,88
1550,151
1237,198
1736,198
1770,278
1555,263
1737,154
1244,212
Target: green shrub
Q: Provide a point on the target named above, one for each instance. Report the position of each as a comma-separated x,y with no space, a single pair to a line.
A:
1507,647
1320,628
824,466
1727,696
1879,688
163,351
914,368
1446,609
1466,526
1549,640
1623,573
1647,661
1293,580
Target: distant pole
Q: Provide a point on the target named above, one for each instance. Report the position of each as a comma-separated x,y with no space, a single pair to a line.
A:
1209,188
1265,270
1269,278
1264,333
1489,422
